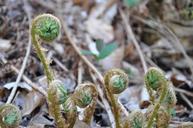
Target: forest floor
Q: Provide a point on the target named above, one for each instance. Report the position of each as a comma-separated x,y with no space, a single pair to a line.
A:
97,35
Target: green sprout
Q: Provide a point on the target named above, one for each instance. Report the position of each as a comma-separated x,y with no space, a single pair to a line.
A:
10,118
104,50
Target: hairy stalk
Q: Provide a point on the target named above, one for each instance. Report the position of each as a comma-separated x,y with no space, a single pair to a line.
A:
114,108
42,58
47,27
67,103
54,106
156,108
163,118
41,55
155,81
115,81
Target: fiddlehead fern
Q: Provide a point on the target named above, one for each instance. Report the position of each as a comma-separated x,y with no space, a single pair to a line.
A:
46,27
68,105
54,104
170,99
115,81
136,119
155,81
163,118
85,96
10,116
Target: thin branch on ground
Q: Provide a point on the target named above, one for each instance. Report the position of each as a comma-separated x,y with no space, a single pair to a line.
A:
105,8
80,72
134,40
186,100
13,91
184,91
60,64
28,81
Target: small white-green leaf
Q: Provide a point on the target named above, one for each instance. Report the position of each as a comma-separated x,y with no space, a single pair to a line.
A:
107,50
87,52
100,45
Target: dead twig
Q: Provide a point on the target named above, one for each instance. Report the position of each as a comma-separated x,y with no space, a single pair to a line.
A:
80,72
28,81
13,91
186,100
132,36
184,91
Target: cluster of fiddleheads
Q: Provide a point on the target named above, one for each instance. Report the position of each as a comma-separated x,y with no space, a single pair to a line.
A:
84,96
63,106
162,99
46,28
159,86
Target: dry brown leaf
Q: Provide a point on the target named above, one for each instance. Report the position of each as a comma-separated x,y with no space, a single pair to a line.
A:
80,124
86,4
29,101
39,121
98,29
178,78
5,45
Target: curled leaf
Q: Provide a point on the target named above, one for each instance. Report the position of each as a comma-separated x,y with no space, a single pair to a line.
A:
84,94
116,80
10,116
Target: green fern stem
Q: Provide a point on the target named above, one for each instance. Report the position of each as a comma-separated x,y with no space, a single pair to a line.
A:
157,106
41,55
114,107
54,106
116,81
